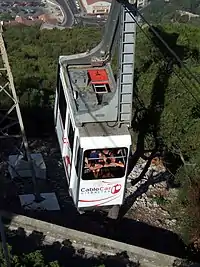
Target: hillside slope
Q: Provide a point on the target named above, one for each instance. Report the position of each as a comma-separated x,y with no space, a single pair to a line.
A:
160,11
166,109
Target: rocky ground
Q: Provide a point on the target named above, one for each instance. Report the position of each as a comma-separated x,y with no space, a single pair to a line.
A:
151,196
148,198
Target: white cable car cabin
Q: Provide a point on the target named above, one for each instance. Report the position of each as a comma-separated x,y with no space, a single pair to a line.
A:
92,113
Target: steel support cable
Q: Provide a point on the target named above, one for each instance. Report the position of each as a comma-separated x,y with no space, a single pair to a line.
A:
195,98
134,10
188,90
181,80
186,87
197,101
169,49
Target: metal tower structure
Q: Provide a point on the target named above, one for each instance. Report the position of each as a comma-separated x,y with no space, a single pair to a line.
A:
9,117
11,123
12,116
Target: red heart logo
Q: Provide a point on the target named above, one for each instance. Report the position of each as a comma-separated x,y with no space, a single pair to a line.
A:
116,188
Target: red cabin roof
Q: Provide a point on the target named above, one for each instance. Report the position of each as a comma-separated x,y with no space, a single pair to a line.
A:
98,76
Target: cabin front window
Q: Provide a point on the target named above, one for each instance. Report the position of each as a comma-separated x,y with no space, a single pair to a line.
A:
104,163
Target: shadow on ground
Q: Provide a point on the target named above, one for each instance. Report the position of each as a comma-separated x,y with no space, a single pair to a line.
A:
125,230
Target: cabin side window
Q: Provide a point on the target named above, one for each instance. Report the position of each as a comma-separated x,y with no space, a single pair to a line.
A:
105,163
57,92
71,135
62,102
78,157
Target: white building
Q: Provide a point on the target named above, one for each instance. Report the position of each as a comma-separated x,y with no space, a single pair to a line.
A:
143,3
96,7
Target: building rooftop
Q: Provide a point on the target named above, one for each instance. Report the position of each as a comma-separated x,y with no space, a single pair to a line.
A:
91,2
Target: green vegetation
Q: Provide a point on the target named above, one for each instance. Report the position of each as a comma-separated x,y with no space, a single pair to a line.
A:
30,251
6,16
34,259
160,200
33,56
164,12
166,111
173,103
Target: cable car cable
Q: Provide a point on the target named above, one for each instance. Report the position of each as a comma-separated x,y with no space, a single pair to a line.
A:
168,47
195,98
132,8
186,88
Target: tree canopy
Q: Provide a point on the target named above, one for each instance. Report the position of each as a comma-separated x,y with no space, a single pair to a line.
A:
33,56
166,108
167,90
166,11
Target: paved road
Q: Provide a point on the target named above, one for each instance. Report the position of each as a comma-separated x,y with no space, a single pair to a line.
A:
72,6
92,21
74,16
69,15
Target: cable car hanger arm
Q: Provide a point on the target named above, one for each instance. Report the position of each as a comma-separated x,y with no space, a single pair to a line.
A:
112,28
104,50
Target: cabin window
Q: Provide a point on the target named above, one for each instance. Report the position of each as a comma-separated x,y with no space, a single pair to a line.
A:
62,102
104,163
57,90
78,157
71,135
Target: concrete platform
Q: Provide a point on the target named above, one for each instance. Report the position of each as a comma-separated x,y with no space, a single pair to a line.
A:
93,245
50,202
18,167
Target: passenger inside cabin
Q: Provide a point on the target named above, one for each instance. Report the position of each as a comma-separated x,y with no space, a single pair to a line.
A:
101,159
115,160
100,163
92,164
94,155
95,168
106,173
106,152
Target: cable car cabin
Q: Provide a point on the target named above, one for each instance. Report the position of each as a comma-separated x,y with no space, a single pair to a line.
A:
95,154
103,163
95,157
90,105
